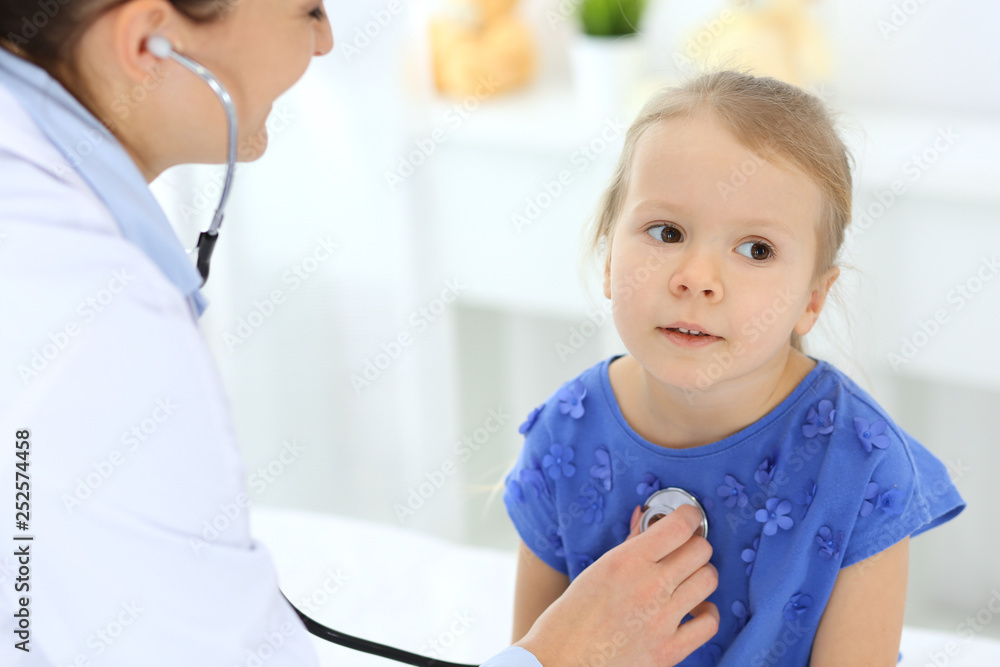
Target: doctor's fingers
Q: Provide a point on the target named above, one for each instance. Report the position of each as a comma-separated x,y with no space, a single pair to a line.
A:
666,535
690,636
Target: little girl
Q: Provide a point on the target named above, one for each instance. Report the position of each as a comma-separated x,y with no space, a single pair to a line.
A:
720,230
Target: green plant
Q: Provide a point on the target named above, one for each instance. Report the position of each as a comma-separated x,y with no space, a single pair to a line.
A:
611,18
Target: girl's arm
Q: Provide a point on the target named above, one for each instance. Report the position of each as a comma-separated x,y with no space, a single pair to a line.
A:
538,586
863,621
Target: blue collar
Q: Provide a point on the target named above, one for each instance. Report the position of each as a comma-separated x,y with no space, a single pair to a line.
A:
107,168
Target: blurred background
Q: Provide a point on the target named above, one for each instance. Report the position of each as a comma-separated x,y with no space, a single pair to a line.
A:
399,281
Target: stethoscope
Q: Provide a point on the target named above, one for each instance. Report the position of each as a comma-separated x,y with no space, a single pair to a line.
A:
657,506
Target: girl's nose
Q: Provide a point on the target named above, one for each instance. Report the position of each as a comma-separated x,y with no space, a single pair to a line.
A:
697,274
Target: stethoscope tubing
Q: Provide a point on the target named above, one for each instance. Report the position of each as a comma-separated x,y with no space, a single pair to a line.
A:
367,646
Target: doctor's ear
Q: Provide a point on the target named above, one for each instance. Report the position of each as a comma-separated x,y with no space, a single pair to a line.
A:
140,33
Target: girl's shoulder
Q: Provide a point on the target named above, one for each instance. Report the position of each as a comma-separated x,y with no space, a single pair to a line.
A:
571,400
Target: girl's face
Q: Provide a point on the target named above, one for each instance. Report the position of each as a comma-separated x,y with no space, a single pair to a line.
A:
713,236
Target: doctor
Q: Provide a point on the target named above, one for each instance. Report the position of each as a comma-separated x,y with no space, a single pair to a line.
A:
111,407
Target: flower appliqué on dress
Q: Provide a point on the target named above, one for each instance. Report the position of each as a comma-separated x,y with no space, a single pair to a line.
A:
774,515
648,485
829,543
741,613
805,497
765,471
819,419
594,509
749,555
890,501
571,399
530,421
601,471
557,461
871,435
733,492
868,504
797,605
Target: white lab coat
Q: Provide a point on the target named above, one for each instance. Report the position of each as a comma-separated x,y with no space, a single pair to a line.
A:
142,553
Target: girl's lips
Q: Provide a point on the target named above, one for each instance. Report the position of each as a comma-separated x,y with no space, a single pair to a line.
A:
688,340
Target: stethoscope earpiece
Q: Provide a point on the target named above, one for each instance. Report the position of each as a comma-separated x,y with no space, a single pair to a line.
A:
159,46
665,501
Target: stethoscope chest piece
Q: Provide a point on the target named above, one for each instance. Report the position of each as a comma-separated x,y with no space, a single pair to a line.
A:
665,501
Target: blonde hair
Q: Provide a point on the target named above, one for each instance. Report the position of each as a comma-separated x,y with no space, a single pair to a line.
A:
781,123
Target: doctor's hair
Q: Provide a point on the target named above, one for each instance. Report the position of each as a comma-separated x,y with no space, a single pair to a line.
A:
782,123
47,33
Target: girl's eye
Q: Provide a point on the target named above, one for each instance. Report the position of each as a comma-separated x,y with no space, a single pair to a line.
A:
758,250
664,233
317,13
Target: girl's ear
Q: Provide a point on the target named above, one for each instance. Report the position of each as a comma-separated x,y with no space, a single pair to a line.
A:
816,301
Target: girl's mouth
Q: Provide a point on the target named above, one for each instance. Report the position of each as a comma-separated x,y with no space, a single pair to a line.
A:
688,339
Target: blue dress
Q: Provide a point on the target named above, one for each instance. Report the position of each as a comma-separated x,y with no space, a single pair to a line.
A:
824,480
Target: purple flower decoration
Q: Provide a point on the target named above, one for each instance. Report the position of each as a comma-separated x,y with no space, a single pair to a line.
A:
571,399
890,502
533,481
829,544
871,435
601,471
805,497
819,419
868,504
765,471
749,555
740,612
594,511
530,421
775,515
797,606
648,485
516,492
733,493
557,461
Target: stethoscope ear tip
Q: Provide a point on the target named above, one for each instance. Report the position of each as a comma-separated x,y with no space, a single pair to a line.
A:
159,46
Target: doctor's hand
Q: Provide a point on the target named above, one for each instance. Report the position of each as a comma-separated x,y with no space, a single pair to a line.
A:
627,607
